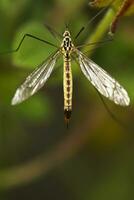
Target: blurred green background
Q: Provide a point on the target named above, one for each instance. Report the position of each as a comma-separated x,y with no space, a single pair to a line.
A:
39,158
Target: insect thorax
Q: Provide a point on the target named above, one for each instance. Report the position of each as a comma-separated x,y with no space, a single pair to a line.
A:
66,46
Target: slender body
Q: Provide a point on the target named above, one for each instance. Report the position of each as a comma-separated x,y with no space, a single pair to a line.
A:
67,48
99,78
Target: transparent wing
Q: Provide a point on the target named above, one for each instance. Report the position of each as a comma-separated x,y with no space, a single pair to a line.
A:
35,80
102,81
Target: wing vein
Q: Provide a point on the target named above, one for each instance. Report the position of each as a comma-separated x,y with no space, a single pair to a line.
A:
36,79
102,81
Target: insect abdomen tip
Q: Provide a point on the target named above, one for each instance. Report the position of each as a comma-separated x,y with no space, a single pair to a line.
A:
67,115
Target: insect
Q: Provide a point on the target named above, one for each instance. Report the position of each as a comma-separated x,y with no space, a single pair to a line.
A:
99,78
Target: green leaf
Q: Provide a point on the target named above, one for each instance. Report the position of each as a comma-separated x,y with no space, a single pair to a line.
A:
32,52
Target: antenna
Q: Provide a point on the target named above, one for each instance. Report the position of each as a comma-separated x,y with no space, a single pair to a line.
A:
66,25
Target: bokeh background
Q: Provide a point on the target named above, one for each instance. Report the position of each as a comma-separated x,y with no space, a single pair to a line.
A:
39,157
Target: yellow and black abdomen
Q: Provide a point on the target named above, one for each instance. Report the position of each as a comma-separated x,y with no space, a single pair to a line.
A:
67,87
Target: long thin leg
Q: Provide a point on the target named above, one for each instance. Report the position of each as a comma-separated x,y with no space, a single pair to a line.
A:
92,19
53,32
91,50
112,115
28,35
96,43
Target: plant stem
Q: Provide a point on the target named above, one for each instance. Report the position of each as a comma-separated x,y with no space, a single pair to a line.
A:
100,31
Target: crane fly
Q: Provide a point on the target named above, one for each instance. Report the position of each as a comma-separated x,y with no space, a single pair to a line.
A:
98,77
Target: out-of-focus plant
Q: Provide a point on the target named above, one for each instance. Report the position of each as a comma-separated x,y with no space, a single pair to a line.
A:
33,54
72,144
121,7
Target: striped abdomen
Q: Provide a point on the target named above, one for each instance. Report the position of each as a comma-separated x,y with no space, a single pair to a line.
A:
68,88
